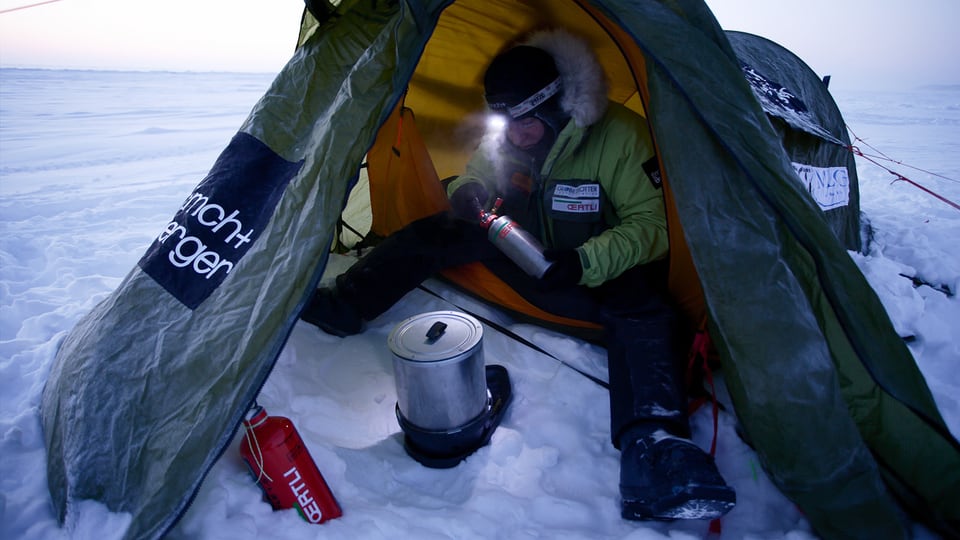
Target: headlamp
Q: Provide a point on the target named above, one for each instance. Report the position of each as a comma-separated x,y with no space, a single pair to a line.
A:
496,123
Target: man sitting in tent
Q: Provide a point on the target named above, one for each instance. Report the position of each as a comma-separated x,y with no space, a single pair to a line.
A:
580,173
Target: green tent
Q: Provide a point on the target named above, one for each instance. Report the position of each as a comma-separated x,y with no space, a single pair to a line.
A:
810,126
148,390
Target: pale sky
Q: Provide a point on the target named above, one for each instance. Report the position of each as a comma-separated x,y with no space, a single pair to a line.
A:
860,43
177,35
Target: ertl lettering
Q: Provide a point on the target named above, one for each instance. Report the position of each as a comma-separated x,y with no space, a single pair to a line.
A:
311,511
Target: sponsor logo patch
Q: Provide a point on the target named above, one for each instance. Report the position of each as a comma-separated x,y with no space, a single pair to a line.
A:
582,199
652,168
219,222
829,186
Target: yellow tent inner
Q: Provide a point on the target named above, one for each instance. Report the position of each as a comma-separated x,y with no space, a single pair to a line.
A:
434,130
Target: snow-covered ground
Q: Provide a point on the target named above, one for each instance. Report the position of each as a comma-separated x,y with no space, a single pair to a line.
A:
93,164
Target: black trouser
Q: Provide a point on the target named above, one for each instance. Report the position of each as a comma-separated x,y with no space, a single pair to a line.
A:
641,327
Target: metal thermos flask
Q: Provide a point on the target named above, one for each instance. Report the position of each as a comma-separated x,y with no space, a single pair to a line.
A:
281,464
519,245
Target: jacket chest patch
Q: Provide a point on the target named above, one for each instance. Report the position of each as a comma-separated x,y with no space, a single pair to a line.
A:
521,181
580,199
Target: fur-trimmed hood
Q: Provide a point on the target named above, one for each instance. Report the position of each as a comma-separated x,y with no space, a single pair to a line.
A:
584,87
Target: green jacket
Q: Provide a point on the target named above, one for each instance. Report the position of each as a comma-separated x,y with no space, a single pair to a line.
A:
598,191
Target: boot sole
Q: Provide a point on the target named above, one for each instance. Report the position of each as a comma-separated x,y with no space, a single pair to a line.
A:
698,502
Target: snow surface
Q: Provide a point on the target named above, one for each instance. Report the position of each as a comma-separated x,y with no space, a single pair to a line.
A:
93,164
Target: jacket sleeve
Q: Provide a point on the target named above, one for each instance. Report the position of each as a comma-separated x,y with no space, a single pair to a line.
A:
480,170
641,234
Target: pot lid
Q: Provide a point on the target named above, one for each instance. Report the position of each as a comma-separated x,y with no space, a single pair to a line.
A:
438,335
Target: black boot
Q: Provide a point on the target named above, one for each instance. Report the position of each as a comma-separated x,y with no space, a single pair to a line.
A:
645,363
663,477
333,315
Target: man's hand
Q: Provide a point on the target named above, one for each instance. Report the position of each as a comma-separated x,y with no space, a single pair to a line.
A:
566,270
466,201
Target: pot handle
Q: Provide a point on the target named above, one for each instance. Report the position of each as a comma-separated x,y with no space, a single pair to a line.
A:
436,331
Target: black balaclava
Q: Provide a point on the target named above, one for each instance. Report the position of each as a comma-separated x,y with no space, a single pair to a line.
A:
524,82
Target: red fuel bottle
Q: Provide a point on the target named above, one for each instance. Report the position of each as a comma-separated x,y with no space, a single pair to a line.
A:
281,464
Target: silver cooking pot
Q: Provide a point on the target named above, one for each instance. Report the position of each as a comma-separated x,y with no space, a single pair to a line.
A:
439,369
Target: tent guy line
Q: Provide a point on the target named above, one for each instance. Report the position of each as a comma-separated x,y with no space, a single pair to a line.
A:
875,159
27,6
